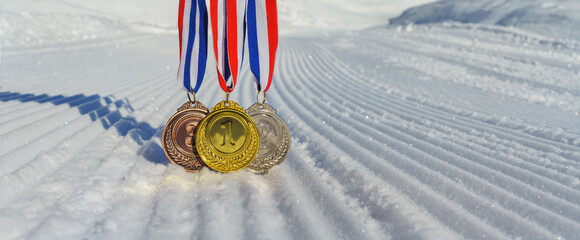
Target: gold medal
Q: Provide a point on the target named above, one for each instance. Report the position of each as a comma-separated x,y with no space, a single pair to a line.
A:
274,138
227,139
179,136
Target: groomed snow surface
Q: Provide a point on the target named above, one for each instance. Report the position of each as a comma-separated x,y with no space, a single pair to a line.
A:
439,129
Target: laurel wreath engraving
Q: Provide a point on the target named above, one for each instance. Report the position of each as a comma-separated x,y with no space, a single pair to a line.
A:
263,163
191,164
227,163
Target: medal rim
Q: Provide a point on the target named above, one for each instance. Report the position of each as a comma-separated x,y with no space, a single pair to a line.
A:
195,107
285,139
249,150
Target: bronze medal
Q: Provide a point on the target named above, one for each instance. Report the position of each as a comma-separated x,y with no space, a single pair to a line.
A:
274,138
179,136
227,139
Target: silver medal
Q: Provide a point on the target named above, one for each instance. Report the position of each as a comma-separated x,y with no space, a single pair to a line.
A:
274,138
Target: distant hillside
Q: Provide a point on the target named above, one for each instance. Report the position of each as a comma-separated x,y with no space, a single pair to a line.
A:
539,16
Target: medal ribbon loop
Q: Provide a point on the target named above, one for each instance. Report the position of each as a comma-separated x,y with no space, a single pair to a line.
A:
262,19
192,23
228,29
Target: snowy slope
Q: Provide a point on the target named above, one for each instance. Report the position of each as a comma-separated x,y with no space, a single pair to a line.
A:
416,131
558,18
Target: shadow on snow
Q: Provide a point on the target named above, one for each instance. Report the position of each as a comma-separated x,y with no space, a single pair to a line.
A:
110,112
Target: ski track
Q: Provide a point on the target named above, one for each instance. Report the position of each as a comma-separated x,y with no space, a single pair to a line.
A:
376,153
573,198
351,134
317,87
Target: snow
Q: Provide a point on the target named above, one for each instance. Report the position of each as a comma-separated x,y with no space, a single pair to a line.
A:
458,120
557,18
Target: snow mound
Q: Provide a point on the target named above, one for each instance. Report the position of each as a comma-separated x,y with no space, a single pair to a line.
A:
537,15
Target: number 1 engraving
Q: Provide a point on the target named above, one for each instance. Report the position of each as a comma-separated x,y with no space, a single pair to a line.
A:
227,127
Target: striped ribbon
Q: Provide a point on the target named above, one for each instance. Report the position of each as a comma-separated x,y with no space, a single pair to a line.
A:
228,29
192,22
262,20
